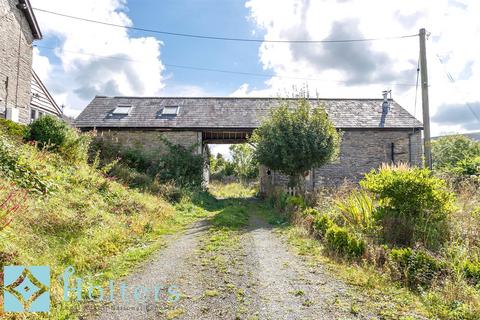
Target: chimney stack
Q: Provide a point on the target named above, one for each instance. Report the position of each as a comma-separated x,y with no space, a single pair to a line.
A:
386,103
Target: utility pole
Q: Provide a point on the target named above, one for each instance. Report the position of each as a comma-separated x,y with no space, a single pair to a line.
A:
427,144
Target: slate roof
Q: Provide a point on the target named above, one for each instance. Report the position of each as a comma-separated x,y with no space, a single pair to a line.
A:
231,113
26,8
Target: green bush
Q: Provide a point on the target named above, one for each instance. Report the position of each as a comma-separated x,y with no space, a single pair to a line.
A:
13,129
414,206
220,168
414,268
53,134
296,201
244,164
49,132
137,159
448,151
471,271
321,224
468,167
341,241
181,166
146,169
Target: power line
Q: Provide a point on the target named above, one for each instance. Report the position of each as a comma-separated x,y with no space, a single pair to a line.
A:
452,80
196,68
198,36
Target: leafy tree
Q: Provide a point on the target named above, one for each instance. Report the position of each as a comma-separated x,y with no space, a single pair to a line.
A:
243,161
450,150
295,139
220,167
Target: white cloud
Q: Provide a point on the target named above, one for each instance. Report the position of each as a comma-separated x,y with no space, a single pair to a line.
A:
186,91
223,149
365,69
106,67
41,64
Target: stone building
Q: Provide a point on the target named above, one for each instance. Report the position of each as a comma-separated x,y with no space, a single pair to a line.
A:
18,30
375,131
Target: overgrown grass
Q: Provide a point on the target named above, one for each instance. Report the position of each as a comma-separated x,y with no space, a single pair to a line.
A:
231,190
385,299
452,293
85,220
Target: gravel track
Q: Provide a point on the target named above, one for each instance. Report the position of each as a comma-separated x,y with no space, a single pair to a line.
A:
253,276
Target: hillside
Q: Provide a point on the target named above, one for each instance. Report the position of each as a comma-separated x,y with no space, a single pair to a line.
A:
60,214
472,135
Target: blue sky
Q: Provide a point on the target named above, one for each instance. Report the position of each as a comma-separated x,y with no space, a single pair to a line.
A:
225,18
360,70
229,19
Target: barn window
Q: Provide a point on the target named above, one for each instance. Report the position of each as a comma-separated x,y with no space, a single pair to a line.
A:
170,111
122,110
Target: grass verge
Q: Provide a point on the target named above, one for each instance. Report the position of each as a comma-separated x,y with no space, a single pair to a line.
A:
81,219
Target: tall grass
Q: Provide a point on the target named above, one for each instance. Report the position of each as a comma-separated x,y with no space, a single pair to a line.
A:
358,210
85,220
445,279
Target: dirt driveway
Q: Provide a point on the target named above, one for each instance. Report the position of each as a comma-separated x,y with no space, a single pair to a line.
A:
233,266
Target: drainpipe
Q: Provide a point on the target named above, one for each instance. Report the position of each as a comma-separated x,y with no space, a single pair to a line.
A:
18,63
6,97
410,148
393,152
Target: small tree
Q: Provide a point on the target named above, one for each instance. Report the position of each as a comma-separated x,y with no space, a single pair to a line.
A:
243,161
220,167
296,139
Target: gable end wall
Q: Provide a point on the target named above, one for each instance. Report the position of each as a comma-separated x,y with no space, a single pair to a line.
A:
15,60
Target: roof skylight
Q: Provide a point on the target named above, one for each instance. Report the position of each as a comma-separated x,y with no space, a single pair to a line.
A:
170,111
122,110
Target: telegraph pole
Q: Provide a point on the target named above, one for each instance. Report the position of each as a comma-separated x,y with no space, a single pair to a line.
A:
427,145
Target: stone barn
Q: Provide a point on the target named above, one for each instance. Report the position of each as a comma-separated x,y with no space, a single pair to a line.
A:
375,131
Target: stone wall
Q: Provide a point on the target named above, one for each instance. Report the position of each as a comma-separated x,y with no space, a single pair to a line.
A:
15,60
360,152
152,140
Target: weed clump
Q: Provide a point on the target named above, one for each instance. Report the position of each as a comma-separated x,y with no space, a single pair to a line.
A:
341,241
415,268
321,224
